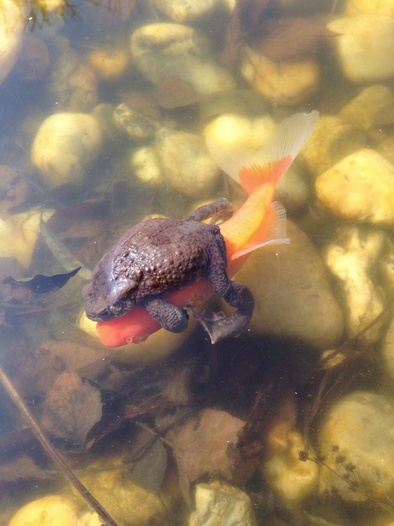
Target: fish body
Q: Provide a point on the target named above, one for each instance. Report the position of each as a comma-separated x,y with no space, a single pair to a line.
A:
259,221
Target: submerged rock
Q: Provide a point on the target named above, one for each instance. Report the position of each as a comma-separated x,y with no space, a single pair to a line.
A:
72,82
284,83
65,146
333,139
186,10
361,110
292,190
356,440
186,163
12,25
135,125
144,163
290,478
291,291
52,510
364,46
353,258
377,7
387,349
219,504
359,187
18,236
127,502
163,50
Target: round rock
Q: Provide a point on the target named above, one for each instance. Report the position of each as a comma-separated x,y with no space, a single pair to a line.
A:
359,187
362,42
291,291
65,146
186,163
356,436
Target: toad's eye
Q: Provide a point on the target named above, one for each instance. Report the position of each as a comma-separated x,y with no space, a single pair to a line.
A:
122,288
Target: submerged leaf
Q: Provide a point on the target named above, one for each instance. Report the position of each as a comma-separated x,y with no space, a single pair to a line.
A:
61,253
174,92
290,38
13,189
28,288
22,468
147,462
71,408
203,444
245,18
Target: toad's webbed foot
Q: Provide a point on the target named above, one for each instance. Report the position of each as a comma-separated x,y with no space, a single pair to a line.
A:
218,325
170,317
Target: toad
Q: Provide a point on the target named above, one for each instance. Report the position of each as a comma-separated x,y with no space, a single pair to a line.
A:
159,255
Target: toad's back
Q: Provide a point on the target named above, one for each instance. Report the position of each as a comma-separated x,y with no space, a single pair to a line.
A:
160,254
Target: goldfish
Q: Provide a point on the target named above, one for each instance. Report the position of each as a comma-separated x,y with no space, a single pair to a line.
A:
260,221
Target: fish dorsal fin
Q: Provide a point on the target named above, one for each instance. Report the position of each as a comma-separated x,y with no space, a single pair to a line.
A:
254,167
272,231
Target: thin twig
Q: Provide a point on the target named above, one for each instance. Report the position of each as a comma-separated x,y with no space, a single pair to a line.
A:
52,453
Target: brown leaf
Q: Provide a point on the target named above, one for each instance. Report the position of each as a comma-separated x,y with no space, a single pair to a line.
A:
21,468
85,229
147,462
33,373
245,18
13,189
203,444
141,102
71,408
26,290
75,355
272,418
174,92
290,38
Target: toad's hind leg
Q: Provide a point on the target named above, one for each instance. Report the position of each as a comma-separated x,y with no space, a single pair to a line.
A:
167,315
216,208
218,325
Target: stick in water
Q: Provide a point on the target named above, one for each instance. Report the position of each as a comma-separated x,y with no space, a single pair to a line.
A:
47,446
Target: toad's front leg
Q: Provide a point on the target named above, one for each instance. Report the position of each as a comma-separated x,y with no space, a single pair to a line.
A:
170,317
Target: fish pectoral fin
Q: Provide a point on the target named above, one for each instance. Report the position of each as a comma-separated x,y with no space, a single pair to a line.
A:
272,231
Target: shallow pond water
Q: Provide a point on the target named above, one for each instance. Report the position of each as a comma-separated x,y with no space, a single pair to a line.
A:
116,111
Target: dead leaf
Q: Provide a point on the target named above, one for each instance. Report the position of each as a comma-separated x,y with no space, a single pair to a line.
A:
33,373
147,462
174,92
85,229
8,267
246,16
71,408
28,289
75,355
203,444
13,189
272,418
287,39
22,468
141,102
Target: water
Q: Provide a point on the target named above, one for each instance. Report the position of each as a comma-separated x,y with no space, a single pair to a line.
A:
144,426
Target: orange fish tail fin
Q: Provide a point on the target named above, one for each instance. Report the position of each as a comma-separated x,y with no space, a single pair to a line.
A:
252,168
